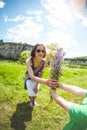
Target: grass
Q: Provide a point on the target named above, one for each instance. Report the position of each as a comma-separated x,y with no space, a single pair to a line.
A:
15,113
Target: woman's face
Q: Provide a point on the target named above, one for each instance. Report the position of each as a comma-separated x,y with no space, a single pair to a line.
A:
40,52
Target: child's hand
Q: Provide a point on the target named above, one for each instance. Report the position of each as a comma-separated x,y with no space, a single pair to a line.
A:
52,91
53,94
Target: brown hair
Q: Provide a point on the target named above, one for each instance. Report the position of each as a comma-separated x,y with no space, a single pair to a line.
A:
34,49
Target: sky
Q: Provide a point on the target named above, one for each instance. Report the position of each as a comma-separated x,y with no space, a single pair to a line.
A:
46,21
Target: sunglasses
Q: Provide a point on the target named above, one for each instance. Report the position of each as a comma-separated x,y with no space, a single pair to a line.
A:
38,50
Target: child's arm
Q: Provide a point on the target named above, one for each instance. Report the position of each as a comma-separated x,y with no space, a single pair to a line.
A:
60,100
73,89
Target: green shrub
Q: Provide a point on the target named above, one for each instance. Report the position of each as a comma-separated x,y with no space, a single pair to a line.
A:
24,55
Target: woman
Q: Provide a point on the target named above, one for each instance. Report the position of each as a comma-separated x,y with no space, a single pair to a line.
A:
35,65
77,112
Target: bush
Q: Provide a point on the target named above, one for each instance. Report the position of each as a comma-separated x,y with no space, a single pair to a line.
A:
24,55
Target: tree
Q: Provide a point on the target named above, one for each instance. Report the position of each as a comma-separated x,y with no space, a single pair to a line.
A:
24,55
52,48
1,40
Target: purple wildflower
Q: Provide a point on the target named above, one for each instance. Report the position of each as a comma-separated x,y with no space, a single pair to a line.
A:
57,64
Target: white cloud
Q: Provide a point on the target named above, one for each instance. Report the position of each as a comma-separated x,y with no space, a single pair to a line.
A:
60,10
84,21
2,4
64,11
64,39
58,18
62,17
55,22
16,19
36,13
28,31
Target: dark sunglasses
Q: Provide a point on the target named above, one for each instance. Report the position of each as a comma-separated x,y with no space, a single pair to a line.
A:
38,50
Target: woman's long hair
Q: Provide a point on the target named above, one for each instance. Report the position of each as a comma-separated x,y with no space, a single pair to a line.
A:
34,49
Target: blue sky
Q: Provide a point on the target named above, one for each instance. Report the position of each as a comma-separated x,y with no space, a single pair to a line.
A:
46,21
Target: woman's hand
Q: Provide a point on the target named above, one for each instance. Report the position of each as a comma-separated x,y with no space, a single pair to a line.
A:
36,88
52,83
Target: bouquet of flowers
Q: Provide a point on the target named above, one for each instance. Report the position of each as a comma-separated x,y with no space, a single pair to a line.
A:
56,64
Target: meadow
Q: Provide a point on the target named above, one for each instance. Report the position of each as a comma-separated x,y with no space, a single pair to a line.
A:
15,113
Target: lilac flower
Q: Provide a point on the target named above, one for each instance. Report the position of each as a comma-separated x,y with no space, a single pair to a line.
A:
56,65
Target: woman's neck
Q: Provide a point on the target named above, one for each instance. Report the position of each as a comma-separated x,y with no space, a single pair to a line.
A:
37,62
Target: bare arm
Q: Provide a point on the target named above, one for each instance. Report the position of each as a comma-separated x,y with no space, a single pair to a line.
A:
48,82
73,89
70,88
31,74
61,101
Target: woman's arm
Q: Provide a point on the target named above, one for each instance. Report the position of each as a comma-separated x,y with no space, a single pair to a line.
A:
73,89
49,82
31,73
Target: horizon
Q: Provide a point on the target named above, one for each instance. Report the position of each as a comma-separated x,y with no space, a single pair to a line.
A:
32,45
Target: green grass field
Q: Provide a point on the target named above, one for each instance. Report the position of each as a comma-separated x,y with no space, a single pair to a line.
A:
15,113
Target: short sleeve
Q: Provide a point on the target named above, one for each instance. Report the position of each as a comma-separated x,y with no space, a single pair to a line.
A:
86,95
78,114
